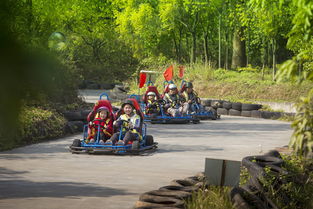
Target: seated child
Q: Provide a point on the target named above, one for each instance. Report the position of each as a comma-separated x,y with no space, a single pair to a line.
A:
175,103
152,106
103,120
192,99
130,123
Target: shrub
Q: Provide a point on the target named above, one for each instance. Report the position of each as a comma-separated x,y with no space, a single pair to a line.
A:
35,124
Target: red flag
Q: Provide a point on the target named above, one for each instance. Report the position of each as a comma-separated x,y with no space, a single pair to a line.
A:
181,71
142,79
168,73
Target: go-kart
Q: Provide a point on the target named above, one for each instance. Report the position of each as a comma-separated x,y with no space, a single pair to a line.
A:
163,117
135,147
199,113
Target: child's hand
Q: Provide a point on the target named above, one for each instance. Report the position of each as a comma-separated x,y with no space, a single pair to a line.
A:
90,123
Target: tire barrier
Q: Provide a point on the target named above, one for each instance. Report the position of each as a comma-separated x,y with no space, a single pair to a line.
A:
222,111
171,196
227,105
250,107
246,113
256,114
241,109
74,127
236,106
234,112
73,115
206,102
217,104
261,168
76,120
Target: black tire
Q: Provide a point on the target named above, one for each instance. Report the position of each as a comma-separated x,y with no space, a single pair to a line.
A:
262,160
273,153
222,111
149,140
244,200
164,201
234,112
180,188
270,115
236,106
246,113
135,145
206,102
74,126
217,104
254,191
73,115
76,143
195,121
159,202
250,107
227,105
169,193
182,183
84,114
256,113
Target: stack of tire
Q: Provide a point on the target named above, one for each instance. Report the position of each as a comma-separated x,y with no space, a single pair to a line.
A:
241,109
76,120
171,196
212,105
253,194
119,93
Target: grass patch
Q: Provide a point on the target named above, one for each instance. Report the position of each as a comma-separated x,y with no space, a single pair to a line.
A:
211,198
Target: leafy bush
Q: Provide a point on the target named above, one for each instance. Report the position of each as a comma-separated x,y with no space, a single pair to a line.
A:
35,124
302,137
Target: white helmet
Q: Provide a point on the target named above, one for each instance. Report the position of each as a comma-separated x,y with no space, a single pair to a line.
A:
172,86
151,93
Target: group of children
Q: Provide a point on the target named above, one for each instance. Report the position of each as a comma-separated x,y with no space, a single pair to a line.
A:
127,126
174,103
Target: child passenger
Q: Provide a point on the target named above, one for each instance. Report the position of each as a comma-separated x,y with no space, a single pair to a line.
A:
130,122
103,121
153,106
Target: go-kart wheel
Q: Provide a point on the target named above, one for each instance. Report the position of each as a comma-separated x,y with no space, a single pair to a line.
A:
149,140
195,121
76,143
135,145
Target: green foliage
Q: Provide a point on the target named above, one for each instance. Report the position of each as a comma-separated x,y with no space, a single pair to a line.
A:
302,138
211,197
35,124
296,188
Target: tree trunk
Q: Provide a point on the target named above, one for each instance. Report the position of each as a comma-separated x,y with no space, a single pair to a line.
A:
219,42
274,58
205,47
176,46
193,47
227,38
239,51
187,45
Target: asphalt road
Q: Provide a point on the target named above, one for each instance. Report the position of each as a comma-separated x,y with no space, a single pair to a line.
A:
47,176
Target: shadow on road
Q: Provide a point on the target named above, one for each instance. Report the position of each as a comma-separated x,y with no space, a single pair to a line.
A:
185,148
32,151
30,189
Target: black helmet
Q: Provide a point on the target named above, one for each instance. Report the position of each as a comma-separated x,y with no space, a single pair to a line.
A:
130,102
189,85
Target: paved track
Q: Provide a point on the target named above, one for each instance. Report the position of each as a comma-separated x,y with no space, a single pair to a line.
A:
47,176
